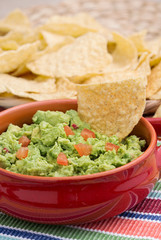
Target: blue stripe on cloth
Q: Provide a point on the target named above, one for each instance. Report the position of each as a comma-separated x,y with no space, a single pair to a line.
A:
26,234
143,216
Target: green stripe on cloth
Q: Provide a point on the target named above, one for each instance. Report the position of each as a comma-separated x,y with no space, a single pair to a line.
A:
157,186
65,232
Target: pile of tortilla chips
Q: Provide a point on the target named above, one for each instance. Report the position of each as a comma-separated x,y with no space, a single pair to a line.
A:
49,61
70,50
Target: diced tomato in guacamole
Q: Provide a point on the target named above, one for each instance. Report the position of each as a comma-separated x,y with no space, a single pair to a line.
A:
83,149
86,133
62,159
24,141
111,146
68,130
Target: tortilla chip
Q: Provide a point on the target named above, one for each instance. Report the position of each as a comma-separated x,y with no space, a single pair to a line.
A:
48,96
99,79
108,77
8,100
55,41
139,41
154,46
117,76
120,104
13,39
143,64
21,36
15,20
21,86
154,82
9,45
75,26
54,46
86,56
155,60
156,96
10,60
158,112
63,85
125,54
21,70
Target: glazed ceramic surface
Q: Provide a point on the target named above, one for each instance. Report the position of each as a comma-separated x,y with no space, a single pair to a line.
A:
77,199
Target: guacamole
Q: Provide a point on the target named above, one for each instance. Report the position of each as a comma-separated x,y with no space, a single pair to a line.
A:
59,144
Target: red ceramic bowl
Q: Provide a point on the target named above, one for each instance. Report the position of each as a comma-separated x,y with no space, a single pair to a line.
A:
77,199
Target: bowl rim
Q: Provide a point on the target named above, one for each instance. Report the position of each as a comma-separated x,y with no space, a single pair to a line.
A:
136,161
